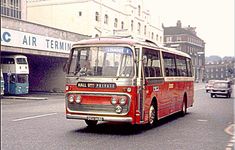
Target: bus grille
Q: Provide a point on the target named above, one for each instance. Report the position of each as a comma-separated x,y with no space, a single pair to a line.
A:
96,109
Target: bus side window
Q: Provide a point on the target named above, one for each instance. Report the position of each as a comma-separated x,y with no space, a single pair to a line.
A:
8,61
169,64
189,67
181,66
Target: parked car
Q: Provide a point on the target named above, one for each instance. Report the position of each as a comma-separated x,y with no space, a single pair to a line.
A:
222,87
209,85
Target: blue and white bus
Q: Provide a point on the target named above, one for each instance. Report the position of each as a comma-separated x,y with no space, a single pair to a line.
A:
2,84
15,73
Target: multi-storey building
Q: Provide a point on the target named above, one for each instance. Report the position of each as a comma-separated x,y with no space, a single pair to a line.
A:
46,48
220,70
97,17
185,39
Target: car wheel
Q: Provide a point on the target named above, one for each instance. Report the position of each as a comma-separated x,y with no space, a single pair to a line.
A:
91,123
228,95
212,95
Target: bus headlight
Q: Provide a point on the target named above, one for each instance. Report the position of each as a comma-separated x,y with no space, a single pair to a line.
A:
66,87
122,101
71,98
113,101
128,89
78,99
118,109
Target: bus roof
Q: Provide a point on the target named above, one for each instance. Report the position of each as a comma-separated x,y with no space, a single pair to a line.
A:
127,41
14,56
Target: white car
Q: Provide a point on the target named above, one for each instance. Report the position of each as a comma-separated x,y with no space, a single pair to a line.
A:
222,87
209,85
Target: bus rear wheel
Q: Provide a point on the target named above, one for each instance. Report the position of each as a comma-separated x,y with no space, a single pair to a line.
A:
184,108
91,123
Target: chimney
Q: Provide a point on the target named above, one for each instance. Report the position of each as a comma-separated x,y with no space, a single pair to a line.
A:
178,24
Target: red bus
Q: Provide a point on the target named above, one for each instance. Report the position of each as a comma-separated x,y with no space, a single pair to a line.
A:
121,79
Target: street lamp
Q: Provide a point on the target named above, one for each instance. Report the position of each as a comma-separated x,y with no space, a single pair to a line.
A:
199,66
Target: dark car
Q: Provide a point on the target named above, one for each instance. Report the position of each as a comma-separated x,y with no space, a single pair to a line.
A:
221,87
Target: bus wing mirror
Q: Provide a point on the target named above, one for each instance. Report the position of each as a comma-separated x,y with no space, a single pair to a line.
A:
145,60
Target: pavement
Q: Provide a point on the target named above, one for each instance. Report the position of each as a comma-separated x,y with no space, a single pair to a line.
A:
32,96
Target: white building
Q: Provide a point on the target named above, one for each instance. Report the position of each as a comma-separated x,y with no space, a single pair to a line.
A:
96,17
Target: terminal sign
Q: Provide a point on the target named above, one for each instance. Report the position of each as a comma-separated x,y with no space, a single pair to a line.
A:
33,41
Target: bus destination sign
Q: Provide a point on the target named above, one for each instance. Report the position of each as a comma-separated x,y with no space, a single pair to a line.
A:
96,85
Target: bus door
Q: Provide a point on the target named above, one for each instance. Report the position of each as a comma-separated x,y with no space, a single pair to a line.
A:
170,85
152,79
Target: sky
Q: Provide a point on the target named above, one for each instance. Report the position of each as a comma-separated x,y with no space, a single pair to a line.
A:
213,19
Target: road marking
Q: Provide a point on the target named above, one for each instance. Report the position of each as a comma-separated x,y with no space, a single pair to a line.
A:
228,148
32,117
202,120
232,141
230,129
230,145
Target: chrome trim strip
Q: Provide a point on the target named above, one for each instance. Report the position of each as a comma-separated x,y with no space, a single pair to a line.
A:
105,118
171,79
98,93
120,82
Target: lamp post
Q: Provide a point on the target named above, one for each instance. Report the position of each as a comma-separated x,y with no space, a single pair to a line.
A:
199,66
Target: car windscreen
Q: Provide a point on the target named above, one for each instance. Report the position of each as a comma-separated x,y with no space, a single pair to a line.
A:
220,85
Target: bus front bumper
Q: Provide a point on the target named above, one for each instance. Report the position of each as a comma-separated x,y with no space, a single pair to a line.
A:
99,118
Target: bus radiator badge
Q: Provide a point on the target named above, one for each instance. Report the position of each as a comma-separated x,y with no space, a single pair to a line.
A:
155,88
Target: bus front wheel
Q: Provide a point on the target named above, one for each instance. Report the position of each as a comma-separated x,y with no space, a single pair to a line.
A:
152,115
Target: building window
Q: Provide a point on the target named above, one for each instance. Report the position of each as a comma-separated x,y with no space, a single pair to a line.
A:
79,13
11,8
106,19
178,38
168,39
132,25
122,25
139,26
139,10
152,35
97,16
157,37
145,30
4,2
115,23
160,39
